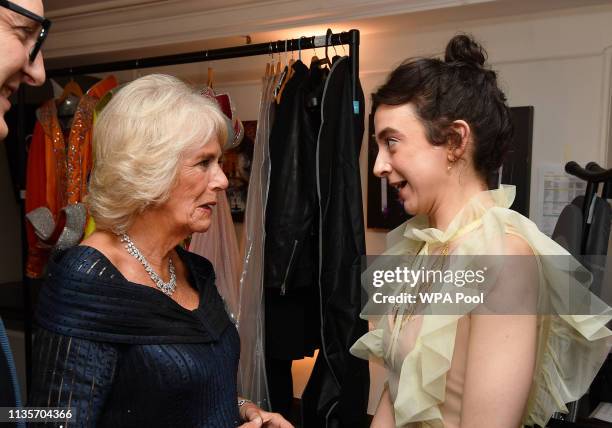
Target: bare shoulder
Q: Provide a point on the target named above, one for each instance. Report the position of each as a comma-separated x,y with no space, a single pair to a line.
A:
518,282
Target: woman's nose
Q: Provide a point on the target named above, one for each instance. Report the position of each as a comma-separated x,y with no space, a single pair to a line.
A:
220,181
382,167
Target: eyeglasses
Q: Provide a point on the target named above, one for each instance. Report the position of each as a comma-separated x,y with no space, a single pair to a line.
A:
44,23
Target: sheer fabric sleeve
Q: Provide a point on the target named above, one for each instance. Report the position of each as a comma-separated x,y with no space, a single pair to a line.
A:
70,372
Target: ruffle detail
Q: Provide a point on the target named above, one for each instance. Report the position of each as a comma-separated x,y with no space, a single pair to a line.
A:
369,346
416,228
571,348
419,396
572,355
423,373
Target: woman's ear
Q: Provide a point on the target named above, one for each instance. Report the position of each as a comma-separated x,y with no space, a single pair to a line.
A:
462,136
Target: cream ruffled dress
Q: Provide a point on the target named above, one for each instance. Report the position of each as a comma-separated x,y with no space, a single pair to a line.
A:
425,357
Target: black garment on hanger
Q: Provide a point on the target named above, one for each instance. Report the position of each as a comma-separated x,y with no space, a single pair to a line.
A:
291,298
291,204
292,315
337,392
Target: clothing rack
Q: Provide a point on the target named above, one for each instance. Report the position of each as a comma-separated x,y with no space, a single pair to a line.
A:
594,175
350,38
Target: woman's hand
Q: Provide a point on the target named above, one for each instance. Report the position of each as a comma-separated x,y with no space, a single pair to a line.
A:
256,418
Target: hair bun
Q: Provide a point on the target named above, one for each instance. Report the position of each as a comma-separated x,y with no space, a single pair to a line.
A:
465,49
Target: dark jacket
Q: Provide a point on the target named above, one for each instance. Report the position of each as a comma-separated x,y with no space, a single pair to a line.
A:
292,301
290,244
337,392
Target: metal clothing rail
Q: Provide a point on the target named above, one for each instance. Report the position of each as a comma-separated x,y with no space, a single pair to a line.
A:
350,38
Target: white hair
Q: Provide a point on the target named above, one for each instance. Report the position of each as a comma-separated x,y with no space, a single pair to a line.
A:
138,143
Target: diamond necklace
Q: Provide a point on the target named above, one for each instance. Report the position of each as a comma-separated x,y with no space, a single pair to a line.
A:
167,288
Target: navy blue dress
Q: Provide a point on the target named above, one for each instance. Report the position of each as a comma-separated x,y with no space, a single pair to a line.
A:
126,355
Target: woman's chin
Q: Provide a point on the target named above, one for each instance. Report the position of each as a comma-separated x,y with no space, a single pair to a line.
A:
409,207
201,226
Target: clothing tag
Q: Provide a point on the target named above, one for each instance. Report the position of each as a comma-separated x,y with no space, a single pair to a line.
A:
356,107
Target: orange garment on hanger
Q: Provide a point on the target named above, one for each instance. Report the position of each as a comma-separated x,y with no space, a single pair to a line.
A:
58,169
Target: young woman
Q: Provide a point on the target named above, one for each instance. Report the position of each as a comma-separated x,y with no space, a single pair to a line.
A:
442,126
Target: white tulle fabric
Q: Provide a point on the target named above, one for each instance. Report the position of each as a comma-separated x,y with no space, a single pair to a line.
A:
252,374
239,271
220,246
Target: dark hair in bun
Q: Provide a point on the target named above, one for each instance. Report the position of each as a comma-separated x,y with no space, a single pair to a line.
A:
459,88
463,49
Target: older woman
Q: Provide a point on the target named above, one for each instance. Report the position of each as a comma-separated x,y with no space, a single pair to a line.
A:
442,126
133,331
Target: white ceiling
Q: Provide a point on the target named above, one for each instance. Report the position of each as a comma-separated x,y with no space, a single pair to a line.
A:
470,10
53,5
65,8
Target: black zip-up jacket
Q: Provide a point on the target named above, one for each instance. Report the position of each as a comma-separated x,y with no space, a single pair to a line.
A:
291,208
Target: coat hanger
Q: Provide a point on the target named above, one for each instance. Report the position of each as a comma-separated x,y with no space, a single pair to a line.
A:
267,73
280,74
328,36
315,59
300,48
343,49
278,64
67,103
292,60
272,61
210,72
209,80
288,75
286,53
71,88
288,62
336,56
